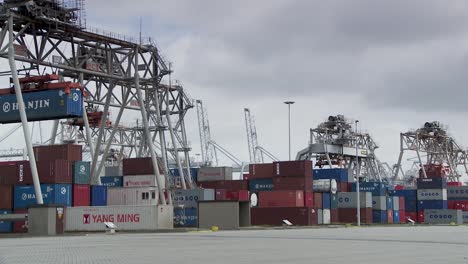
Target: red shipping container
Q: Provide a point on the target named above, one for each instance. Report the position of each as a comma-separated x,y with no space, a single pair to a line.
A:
227,195
301,216
81,195
458,205
227,185
390,216
454,184
318,201
411,215
308,199
220,195
420,216
399,187
20,226
245,176
343,187
348,215
297,168
139,166
68,152
285,183
401,203
334,216
281,199
9,172
258,171
6,197
402,217
50,172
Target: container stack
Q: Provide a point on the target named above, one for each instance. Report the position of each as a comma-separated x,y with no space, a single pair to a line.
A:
457,196
347,207
431,194
407,204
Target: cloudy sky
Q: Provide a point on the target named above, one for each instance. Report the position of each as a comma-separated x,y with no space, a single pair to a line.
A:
391,64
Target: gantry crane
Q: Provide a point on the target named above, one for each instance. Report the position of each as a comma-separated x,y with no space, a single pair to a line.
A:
256,152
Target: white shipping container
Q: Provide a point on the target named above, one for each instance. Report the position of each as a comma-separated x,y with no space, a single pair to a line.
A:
396,203
443,216
92,218
189,198
326,216
113,171
132,196
322,185
379,202
457,192
214,174
349,200
143,181
320,216
432,194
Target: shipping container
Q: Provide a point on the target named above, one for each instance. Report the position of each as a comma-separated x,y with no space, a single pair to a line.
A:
349,215
57,194
81,195
292,183
9,172
142,218
299,216
325,185
432,204
6,227
402,217
334,216
390,216
257,185
432,183
443,216
348,200
412,215
379,203
132,196
193,173
140,166
339,175
458,205
50,172
214,174
334,201
228,195
70,152
42,105
396,216
281,199
401,203
81,172
396,203
389,200
112,181
319,216
454,184
227,185
326,202
114,171
143,181
190,198
259,171
318,200
185,217
326,216
296,168
376,188
98,195
253,199
457,192
6,197
465,217
432,194
20,226
309,199
379,216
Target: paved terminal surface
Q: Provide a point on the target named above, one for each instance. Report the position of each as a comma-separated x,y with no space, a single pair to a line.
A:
376,245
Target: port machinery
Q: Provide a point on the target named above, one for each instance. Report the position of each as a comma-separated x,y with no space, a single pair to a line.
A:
116,72
434,149
333,143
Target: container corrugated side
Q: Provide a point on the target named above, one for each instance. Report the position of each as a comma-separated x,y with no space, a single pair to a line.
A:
6,197
432,194
457,192
190,198
81,172
214,174
70,152
443,216
150,217
143,181
185,217
57,194
6,227
98,195
132,196
349,200
257,185
112,181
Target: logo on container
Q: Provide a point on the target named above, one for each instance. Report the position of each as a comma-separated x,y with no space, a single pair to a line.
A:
82,169
86,219
63,190
75,97
6,107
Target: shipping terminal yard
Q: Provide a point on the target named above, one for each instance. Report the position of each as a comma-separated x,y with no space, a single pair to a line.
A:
96,190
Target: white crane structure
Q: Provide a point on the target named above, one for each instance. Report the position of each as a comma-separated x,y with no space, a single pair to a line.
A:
256,152
432,145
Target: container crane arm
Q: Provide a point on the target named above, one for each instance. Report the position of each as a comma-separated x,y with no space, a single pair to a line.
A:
226,153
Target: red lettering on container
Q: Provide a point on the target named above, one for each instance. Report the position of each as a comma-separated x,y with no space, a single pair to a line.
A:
128,218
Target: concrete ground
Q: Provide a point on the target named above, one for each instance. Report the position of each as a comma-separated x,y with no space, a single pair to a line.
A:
404,244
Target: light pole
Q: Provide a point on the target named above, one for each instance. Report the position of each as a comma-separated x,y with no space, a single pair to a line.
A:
358,199
289,103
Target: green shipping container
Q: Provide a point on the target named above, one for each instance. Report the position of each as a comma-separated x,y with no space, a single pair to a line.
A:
81,172
333,201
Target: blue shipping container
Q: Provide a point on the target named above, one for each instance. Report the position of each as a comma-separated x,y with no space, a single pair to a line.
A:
58,194
193,173
44,105
389,200
432,204
340,175
6,227
257,185
112,181
396,217
379,216
98,195
333,201
376,188
410,199
81,172
432,183
186,217
326,201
